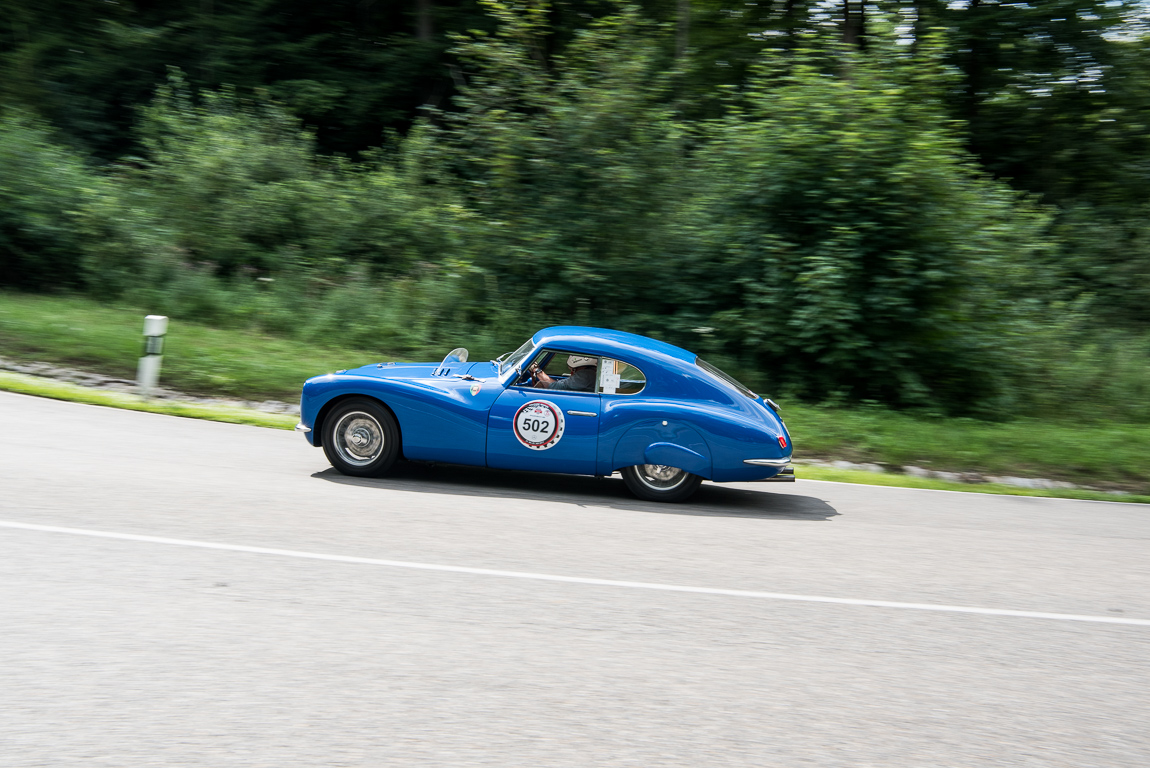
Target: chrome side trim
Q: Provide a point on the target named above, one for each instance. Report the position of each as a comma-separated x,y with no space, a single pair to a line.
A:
581,413
302,428
768,462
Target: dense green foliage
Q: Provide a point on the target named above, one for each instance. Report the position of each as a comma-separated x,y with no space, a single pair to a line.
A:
897,259
923,205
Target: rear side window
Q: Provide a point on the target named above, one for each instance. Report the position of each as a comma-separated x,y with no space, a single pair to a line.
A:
619,378
729,379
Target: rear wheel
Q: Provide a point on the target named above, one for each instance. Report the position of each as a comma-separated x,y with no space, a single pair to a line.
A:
361,438
658,482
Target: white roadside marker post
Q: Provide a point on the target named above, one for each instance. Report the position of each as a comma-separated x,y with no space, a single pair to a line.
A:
148,372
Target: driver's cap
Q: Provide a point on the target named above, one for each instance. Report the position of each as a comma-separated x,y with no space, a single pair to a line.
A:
578,361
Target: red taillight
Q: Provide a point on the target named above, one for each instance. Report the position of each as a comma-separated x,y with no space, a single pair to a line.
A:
782,441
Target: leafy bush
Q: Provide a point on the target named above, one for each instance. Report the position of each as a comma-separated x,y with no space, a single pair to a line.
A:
44,191
851,247
575,168
242,187
1104,259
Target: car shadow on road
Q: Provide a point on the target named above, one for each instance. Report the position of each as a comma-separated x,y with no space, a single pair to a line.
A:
709,500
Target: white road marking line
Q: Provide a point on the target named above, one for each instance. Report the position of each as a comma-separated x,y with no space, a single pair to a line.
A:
571,579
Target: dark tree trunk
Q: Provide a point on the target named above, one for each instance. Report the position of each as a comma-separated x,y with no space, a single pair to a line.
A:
974,65
791,25
207,18
854,23
683,34
423,28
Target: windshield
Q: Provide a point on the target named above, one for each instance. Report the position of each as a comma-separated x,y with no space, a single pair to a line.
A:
516,357
729,379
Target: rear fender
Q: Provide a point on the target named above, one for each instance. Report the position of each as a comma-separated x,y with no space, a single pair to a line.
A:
672,455
663,441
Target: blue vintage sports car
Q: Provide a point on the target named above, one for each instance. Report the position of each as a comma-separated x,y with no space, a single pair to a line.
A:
585,401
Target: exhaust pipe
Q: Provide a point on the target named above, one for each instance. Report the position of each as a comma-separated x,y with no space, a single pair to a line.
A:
787,475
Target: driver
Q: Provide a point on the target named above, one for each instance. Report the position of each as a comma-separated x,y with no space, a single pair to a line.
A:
582,378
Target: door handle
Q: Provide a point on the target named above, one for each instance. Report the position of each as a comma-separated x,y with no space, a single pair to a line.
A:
581,413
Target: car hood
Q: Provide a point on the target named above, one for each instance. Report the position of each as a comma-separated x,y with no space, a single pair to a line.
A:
423,370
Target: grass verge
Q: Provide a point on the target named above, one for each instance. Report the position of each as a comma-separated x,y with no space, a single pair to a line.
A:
1095,453
59,390
860,477
197,359
237,363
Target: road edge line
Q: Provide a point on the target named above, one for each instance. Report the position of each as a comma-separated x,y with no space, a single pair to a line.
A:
14,525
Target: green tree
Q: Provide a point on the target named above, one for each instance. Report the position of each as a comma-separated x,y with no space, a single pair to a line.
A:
241,185
46,191
851,247
351,69
573,162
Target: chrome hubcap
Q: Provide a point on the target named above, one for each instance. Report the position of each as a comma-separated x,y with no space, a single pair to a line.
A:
358,438
660,477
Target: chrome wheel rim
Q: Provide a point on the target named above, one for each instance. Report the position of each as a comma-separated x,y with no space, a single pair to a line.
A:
660,477
359,438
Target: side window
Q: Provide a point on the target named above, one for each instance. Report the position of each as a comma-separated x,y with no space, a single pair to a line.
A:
557,364
619,378
551,362
543,360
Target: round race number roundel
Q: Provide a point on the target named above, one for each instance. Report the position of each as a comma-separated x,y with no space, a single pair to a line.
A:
539,424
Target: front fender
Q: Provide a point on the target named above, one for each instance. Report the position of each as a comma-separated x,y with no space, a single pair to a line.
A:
440,419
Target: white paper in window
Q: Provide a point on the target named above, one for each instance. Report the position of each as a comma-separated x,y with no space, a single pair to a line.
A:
609,376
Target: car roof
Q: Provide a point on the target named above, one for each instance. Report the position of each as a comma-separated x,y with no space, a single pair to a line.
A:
670,370
604,341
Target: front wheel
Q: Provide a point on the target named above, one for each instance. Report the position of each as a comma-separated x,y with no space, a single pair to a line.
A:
361,438
658,482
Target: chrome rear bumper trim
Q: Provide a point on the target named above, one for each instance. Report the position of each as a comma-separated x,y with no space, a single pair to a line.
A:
302,428
768,462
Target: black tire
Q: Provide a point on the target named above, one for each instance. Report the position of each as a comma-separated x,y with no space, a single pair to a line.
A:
361,438
656,482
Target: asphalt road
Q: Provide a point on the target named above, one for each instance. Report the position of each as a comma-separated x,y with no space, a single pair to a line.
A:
136,652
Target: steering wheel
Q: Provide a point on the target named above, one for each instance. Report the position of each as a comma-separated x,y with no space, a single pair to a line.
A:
529,373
